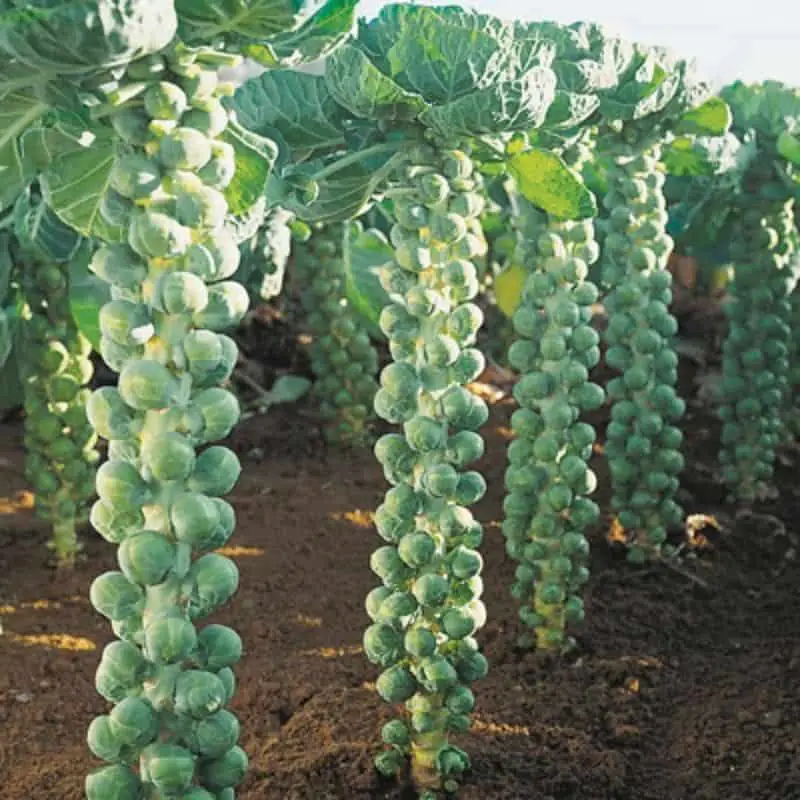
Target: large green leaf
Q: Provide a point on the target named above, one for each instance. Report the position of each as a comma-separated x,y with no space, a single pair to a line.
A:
87,295
255,157
365,252
238,21
544,180
345,187
570,109
788,146
516,105
295,104
358,85
19,111
713,118
37,226
316,38
74,184
439,53
85,35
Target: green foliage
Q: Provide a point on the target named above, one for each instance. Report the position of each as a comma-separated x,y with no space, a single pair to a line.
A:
342,357
85,36
365,252
545,181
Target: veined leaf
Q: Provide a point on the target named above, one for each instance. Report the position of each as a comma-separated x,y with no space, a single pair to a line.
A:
296,105
569,109
38,227
439,53
19,111
788,147
345,187
365,252
74,183
360,87
85,35
713,118
516,105
238,21
544,180
255,157
316,38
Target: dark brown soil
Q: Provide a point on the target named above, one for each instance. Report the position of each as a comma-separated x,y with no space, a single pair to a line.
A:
686,685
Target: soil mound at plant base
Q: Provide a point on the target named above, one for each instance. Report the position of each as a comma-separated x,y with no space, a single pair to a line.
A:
684,688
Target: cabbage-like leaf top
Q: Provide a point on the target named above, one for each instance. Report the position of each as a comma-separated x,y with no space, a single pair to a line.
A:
82,36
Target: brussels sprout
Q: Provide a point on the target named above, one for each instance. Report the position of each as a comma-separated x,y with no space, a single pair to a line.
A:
185,148
216,472
165,100
214,579
199,693
183,293
169,638
135,176
146,558
119,265
213,736
200,208
219,409
224,772
169,458
168,767
218,647
117,782
153,234
194,519
227,304
145,385
220,169
116,597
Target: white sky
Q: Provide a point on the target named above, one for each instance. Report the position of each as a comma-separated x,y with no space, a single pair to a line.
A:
748,40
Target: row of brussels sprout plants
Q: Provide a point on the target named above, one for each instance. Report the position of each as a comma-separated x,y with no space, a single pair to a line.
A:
182,192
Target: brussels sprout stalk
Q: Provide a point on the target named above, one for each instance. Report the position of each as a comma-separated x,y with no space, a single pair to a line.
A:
428,609
547,509
755,365
159,499
342,357
60,443
642,439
